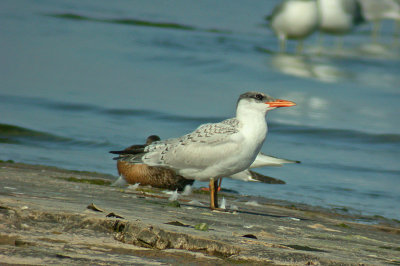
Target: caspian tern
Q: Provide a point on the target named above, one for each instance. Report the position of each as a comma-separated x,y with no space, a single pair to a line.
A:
162,177
214,150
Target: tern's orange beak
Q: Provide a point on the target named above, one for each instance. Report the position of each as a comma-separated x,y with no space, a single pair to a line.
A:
281,103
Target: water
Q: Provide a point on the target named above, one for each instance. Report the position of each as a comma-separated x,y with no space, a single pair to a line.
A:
80,78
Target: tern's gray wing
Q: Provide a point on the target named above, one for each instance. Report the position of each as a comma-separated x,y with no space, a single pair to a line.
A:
207,145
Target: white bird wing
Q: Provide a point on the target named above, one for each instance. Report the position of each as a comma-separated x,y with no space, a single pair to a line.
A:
243,176
252,176
266,160
205,146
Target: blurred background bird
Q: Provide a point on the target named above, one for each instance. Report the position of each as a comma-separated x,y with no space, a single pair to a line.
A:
338,17
375,11
294,20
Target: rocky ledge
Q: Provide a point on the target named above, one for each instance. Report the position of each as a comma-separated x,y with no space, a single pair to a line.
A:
56,216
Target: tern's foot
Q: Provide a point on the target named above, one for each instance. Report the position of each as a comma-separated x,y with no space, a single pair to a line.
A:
221,210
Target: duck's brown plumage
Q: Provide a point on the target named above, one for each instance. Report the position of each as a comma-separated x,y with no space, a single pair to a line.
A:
151,175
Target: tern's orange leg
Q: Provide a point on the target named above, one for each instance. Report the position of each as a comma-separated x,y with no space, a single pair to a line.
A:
213,194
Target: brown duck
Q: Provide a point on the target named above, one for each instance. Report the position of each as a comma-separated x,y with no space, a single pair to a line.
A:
154,176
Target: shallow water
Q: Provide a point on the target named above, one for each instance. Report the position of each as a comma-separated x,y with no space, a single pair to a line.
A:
81,78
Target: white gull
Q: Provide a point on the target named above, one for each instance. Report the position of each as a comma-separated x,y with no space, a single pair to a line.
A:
376,11
294,19
338,17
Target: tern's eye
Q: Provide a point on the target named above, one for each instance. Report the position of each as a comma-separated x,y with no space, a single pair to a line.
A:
259,97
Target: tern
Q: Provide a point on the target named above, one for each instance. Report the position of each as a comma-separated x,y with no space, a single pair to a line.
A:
162,177
294,19
214,150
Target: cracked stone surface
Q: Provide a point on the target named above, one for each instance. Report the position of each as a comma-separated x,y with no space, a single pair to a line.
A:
45,219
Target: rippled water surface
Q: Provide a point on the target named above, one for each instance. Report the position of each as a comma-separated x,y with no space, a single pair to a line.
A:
80,78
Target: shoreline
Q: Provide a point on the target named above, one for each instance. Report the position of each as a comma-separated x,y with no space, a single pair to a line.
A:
351,214
45,219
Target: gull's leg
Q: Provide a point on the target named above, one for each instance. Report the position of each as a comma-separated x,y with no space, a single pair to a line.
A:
321,39
282,43
339,42
213,194
300,46
376,27
396,33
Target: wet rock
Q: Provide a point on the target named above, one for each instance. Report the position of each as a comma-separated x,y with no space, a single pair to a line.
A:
45,220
